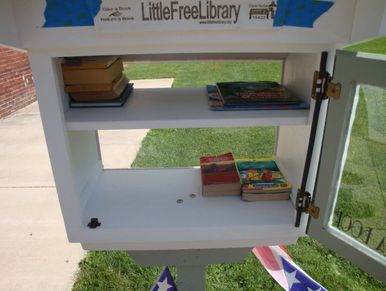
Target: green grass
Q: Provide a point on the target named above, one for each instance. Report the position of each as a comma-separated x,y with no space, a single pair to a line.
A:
376,46
182,147
198,74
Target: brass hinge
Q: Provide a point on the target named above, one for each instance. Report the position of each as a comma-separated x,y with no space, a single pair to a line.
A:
323,86
304,204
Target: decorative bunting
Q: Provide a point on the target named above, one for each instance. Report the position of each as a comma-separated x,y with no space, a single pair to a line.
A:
164,282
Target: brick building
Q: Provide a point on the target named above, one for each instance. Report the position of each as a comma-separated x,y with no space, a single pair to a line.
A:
16,83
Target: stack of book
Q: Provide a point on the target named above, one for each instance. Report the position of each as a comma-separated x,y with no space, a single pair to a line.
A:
261,179
261,95
219,175
95,81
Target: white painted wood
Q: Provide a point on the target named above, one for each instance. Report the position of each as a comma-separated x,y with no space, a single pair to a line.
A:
292,141
362,28
138,210
85,161
9,34
291,150
188,261
47,84
189,257
191,278
179,108
332,29
350,70
298,73
383,23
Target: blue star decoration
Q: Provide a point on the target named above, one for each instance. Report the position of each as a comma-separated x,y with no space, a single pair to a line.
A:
164,282
301,13
63,13
298,280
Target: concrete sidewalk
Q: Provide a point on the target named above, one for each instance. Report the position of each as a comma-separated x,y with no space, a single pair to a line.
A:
34,251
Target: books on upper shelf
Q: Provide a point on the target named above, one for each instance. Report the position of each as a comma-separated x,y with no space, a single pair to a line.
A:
95,81
97,92
261,179
91,70
117,102
89,62
263,95
219,175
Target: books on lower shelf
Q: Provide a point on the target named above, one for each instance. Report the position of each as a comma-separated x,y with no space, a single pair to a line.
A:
262,95
219,175
254,179
261,179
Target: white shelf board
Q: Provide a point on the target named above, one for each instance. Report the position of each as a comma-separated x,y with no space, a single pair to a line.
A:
138,210
175,108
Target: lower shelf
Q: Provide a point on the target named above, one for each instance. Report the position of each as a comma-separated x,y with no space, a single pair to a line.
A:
153,209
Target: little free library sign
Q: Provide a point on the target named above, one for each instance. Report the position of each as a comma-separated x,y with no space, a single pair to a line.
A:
118,15
124,15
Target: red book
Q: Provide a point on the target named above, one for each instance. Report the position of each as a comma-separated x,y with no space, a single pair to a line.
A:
219,175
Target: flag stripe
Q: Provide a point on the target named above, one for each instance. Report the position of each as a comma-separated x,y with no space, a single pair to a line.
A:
284,270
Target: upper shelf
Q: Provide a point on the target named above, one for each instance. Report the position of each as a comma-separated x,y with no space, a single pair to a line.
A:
175,108
69,28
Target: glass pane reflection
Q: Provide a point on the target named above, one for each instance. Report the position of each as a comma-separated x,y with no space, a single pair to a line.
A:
360,210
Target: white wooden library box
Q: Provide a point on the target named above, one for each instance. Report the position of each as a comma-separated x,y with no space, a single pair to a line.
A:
136,214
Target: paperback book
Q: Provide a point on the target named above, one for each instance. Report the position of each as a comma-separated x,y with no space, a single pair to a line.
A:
216,103
239,93
219,175
261,179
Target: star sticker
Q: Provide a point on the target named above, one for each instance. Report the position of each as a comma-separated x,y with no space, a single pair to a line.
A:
164,285
291,278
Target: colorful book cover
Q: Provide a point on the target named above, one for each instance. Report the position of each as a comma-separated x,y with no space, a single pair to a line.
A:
216,104
219,169
239,93
262,176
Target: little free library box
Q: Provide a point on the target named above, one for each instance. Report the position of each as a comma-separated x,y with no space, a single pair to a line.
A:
118,209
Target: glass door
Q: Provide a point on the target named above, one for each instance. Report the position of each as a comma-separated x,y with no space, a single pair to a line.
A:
351,187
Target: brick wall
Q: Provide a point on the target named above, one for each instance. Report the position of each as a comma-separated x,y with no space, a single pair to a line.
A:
16,83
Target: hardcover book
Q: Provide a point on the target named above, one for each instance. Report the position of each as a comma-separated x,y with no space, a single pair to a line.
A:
117,87
219,175
73,75
216,103
261,179
108,86
237,93
90,62
117,102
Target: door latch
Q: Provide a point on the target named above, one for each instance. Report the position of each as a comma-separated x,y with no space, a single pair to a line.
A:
323,86
304,204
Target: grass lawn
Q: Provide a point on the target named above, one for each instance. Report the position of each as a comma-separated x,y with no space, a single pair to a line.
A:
182,147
